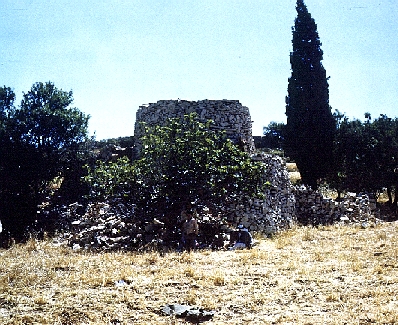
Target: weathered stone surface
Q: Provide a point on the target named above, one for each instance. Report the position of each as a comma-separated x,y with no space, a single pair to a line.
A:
190,313
227,115
277,210
313,208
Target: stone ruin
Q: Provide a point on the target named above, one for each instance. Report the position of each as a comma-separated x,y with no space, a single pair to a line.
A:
313,208
277,210
228,115
113,225
285,204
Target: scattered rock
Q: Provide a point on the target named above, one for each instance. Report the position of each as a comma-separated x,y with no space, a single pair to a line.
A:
190,313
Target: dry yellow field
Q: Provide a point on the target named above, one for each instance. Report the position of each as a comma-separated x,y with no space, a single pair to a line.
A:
328,275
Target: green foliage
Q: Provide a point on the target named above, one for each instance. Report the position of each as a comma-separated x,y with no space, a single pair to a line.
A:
39,141
45,120
366,155
180,163
385,144
310,125
274,135
349,157
110,179
7,98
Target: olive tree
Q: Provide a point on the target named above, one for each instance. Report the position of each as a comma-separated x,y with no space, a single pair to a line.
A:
39,138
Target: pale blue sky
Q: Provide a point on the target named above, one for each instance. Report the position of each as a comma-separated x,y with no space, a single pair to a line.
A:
119,54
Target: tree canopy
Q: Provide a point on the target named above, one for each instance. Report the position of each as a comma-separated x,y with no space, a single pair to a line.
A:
310,124
38,139
274,135
366,156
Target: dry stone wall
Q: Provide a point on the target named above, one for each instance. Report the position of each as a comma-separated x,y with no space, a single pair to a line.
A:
285,204
315,209
277,210
114,225
228,115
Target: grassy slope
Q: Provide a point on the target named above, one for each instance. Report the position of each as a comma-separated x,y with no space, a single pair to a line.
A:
333,275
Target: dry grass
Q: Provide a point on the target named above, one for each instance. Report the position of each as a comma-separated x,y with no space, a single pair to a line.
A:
331,275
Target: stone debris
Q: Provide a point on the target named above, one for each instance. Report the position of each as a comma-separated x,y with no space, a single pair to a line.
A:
190,313
106,226
315,209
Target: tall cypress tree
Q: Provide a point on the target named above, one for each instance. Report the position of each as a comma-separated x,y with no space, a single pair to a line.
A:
310,124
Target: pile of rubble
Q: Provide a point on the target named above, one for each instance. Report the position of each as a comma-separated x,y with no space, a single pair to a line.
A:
102,226
111,226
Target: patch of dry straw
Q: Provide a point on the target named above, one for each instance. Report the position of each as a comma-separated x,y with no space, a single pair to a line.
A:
330,275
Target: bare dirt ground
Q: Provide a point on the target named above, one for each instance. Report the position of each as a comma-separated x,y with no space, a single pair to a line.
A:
328,275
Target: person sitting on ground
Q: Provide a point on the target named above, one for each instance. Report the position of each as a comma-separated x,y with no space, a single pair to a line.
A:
241,238
190,231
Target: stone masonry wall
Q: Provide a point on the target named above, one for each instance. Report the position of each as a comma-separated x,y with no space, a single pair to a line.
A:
228,115
313,208
277,210
285,204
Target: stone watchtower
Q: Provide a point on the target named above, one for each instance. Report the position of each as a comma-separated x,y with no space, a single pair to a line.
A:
228,115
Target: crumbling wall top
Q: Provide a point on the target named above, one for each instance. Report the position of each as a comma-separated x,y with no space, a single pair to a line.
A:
228,115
